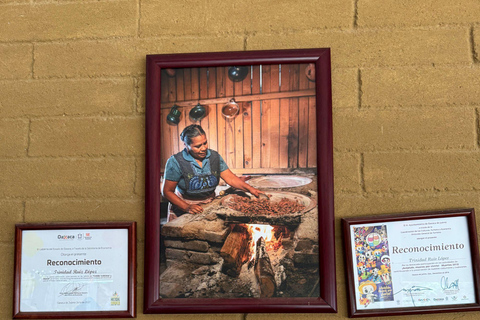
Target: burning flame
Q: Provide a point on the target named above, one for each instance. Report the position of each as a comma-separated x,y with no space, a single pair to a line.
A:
265,231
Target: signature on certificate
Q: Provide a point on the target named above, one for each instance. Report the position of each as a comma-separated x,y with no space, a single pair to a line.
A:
411,290
72,288
445,285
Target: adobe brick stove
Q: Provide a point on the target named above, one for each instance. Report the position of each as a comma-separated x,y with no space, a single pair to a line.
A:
230,254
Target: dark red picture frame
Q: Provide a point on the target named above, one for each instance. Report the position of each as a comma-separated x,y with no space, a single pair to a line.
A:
131,228
327,302
347,223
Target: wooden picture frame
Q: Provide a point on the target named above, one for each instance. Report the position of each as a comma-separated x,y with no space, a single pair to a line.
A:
75,270
407,264
313,67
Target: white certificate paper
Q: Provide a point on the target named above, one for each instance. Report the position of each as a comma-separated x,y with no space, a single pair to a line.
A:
74,270
412,263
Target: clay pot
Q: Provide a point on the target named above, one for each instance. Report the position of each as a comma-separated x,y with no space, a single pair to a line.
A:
231,109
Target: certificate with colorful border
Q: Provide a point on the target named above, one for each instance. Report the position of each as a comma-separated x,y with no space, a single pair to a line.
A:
74,270
412,263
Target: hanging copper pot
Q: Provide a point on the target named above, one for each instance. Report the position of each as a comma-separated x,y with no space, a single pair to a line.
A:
230,109
171,72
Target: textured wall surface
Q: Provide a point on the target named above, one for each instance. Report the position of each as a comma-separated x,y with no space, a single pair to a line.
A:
406,99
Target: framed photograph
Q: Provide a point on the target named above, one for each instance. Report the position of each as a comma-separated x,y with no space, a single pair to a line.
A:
239,183
412,263
75,270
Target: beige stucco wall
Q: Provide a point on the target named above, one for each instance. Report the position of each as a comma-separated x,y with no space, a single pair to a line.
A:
406,100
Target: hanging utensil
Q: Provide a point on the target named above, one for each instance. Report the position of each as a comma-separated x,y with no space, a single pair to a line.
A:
237,74
231,109
197,113
310,72
173,116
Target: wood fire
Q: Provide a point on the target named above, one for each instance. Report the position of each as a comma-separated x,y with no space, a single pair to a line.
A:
251,243
269,235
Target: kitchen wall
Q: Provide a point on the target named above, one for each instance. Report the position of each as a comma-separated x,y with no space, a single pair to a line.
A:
269,133
406,102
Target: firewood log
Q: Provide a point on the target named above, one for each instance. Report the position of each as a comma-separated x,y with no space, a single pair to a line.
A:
280,277
264,271
234,251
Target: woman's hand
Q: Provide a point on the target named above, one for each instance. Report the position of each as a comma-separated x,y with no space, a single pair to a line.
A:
257,192
194,209
239,182
168,191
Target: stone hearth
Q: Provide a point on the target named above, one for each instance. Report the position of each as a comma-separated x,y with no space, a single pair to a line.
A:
192,265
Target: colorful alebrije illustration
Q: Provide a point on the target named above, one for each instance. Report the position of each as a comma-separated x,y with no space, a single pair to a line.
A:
373,264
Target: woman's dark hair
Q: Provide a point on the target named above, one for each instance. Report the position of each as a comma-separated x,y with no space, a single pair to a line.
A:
190,132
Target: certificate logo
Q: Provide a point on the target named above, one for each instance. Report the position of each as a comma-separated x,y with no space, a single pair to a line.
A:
80,236
115,299
88,236
374,239
65,237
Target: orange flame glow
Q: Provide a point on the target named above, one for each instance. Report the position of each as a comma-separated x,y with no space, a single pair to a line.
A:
267,232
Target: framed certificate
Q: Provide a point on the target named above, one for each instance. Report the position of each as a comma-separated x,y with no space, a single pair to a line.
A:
75,270
412,263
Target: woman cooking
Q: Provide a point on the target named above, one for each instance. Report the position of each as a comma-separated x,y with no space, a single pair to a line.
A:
192,175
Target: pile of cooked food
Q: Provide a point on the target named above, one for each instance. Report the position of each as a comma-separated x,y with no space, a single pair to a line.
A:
265,206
